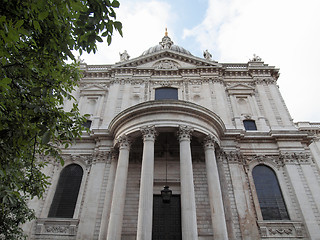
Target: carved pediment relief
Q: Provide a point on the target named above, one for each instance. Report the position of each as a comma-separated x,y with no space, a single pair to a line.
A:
240,89
166,65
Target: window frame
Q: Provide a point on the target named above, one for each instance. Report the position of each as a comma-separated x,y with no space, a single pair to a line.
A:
283,187
281,218
65,173
248,126
166,87
54,183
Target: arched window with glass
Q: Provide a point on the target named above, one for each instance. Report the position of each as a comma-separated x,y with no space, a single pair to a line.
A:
269,194
66,195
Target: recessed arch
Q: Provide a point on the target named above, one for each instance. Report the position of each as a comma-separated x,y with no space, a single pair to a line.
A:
66,194
269,194
167,114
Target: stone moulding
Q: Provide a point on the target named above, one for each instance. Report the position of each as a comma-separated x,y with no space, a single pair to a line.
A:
172,110
281,229
56,226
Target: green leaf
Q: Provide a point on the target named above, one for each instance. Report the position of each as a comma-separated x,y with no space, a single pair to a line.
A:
99,39
46,137
117,25
5,81
104,34
36,25
115,4
43,15
19,23
109,40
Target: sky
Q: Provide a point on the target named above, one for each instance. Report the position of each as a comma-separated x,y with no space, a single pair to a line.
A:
284,33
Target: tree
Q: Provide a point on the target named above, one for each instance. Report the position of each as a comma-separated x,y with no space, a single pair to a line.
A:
37,38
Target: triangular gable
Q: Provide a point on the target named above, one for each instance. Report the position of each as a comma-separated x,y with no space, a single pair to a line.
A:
240,89
92,90
179,60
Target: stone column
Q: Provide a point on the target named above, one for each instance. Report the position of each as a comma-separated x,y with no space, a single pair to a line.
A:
108,198
144,230
188,205
119,191
215,196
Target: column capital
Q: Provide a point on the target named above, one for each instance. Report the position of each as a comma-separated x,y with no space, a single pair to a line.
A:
208,141
184,132
124,142
149,133
114,154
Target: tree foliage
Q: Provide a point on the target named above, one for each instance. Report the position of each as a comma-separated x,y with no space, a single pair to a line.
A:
37,37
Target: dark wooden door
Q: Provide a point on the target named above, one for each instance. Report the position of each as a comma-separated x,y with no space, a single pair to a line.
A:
166,219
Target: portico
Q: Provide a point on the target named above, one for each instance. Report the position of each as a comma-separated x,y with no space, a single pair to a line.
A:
149,184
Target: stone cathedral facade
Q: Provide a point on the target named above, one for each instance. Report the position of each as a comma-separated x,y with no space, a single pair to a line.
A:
217,135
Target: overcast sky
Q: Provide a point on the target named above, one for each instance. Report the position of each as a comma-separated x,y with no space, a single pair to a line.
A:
284,33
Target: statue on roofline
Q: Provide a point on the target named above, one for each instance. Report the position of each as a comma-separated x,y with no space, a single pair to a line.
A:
124,56
207,55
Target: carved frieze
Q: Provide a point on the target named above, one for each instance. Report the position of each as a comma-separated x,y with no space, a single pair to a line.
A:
101,156
46,226
233,157
281,229
264,80
275,160
295,158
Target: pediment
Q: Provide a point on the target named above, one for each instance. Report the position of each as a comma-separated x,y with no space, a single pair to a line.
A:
92,90
240,89
167,60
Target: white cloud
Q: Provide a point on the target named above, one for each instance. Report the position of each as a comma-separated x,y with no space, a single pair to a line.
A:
143,23
283,33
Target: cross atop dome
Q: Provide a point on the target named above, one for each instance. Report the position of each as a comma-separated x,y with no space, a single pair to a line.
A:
166,44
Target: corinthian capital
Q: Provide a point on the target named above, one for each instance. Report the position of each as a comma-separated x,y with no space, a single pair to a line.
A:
184,132
124,141
208,141
149,133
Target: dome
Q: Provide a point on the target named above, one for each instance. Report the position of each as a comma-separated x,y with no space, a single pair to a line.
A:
166,43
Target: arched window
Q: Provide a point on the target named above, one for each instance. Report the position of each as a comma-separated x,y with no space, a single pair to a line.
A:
249,125
65,197
166,93
269,194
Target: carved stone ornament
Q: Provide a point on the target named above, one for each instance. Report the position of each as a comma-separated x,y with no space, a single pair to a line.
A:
166,42
124,141
273,160
46,226
166,65
230,157
295,158
57,229
281,229
85,159
101,156
149,133
207,55
208,141
255,58
185,133
124,56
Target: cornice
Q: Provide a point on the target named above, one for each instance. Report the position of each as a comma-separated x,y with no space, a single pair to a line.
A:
275,160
